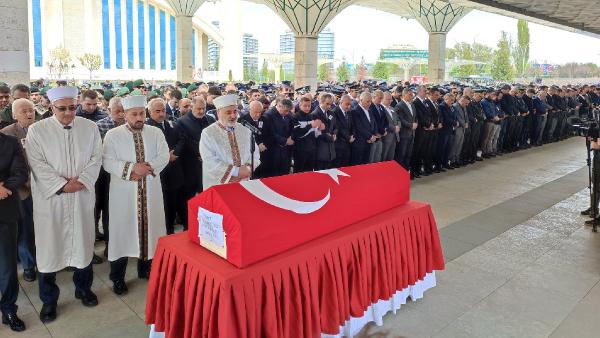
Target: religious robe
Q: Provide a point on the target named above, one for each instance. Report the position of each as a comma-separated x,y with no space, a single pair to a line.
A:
222,150
64,224
137,214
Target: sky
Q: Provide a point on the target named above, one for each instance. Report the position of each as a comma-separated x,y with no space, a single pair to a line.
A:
379,29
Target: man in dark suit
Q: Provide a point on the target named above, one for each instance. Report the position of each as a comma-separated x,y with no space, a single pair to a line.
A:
433,98
13,175
326,136
345,136
305,141
406,112
255,118
173,105
190,127
171,178
280,144
381,124
364,128
391,139
423,134
449,123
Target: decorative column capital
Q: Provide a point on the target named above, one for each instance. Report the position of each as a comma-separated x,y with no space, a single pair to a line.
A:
436,16
185,7
307,18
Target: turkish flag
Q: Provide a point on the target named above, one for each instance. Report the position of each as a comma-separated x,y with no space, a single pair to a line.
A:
262,218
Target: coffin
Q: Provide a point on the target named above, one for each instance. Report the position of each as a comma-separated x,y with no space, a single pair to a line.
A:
249,221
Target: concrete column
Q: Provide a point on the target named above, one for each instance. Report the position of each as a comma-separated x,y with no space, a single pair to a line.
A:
437,57
204,56
184,66
14,49
306,62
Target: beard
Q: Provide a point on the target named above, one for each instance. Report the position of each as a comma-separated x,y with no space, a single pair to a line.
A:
136,125
230,123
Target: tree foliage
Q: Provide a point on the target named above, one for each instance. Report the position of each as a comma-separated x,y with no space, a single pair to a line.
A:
342,72
381,71
520,49
470,52
281,73
91,62
264,71
502,69
323,73
60,62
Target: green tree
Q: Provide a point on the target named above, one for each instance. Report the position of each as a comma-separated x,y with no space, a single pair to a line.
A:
264,71
60,62
381,71
230,75
520,50
502,69
281,73
91,62
271,76
323,73
342,72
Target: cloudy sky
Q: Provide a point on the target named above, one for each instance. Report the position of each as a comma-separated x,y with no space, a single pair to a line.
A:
380,30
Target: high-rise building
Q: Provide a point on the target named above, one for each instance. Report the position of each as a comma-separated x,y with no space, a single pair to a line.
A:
213,51
325,46
250,50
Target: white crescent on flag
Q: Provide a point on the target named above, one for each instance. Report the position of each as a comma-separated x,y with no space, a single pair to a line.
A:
259,190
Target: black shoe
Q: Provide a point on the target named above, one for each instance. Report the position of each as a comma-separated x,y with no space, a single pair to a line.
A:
13,321
416,174
119,287
48,313
29,275
427,173
479,159
88,298
97,259
586,212
591,221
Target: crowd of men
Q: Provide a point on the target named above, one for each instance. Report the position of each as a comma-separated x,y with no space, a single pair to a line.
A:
127,160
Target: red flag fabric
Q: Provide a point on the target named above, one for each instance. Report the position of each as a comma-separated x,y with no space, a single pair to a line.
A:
262,218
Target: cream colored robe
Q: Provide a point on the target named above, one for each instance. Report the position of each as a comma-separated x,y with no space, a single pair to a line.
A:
64,224
128,208
221,151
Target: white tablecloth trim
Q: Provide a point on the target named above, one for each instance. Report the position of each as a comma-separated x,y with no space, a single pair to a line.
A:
374,313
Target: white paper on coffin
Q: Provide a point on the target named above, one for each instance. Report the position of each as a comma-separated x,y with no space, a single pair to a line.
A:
374,313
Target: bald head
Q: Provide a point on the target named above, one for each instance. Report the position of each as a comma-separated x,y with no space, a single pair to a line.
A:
23,112
255,109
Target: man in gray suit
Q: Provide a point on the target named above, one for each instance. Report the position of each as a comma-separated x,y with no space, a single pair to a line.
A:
393,133
459,132
406,112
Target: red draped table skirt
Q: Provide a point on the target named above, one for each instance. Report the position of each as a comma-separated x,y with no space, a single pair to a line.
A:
304,292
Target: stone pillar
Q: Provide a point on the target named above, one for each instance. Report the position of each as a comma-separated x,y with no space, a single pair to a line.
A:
184,13
437,57
306,62
204,56
184,66
437,17
14,48
306,19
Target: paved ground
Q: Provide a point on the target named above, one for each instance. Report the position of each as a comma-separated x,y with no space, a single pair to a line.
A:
519,261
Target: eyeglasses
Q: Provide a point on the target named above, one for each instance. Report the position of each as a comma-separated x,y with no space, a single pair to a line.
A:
63,109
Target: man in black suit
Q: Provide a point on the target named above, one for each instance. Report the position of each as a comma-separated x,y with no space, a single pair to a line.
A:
171,178
305,141
173,105
382,125
424,133
256,118
364,130
326,136
433,97
407,114
345,136
190,127
13,175
280,144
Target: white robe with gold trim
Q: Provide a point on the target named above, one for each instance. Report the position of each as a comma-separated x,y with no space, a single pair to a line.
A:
64,224
119,156
221,152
